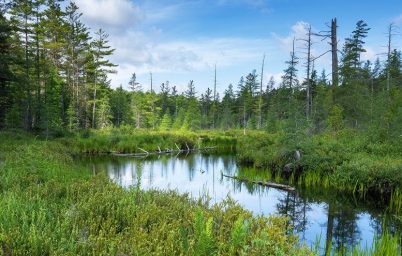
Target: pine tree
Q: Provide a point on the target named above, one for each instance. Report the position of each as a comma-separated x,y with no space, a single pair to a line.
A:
5,64
395,68
190,92
104,113
352,51
100,67
119,106
22,14
166,122
76,57
290,73
228,102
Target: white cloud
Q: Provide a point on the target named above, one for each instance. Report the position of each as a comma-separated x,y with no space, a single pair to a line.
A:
110,12
298,31
141,54
277,78
255,3
398,20
261,5
370,54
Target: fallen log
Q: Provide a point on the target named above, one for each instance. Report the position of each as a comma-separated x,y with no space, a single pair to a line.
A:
263,183
160,152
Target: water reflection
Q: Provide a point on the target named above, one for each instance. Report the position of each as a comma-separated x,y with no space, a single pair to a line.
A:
335,218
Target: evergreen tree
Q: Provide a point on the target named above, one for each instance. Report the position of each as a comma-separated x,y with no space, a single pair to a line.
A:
5,65
166,122
100,67
78,40
228,110
22,15
119,106
395,68
352,50
190,92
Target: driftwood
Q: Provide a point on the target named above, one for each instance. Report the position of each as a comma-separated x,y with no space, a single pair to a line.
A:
263,183
162,152
297,155
292,167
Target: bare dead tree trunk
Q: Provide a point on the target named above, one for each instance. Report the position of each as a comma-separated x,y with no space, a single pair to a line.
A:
309,96
390,33
214,105
334,50
260,99
293,58
309,43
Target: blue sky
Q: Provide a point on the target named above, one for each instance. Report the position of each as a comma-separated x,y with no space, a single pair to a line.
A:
183,40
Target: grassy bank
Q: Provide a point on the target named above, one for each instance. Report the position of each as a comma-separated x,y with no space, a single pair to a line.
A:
129,140
49,206
348,161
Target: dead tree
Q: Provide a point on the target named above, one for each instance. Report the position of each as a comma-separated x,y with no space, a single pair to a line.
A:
214,103
332,35
260,99
390,33
334,51
308,44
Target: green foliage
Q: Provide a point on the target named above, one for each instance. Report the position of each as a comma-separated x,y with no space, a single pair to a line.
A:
239,237
204,242
166,123
52,207
13,117
387,244
335,118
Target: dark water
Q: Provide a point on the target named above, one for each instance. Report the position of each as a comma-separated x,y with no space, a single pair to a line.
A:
322,215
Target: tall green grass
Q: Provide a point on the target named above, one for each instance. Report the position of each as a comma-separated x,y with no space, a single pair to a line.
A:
127,140
386,244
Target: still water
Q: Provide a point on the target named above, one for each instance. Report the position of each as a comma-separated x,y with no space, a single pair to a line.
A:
316,215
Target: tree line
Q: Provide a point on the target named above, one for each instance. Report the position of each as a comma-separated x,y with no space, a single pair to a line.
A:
54,77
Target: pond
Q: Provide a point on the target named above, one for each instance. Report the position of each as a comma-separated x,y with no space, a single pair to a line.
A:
315,214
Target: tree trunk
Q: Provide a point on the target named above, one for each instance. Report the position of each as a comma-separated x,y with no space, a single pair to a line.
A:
94,110
308,89
334,50
260,99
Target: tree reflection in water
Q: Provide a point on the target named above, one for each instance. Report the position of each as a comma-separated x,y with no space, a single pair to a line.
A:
341,220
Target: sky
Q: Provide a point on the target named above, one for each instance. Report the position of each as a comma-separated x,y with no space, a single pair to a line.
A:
179,40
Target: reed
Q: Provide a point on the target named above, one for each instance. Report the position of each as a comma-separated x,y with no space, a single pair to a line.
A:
386,244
